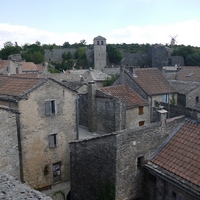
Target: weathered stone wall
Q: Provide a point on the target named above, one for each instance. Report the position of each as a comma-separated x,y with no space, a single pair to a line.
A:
14,189
9,149
191,98
36,128
93,167
115,157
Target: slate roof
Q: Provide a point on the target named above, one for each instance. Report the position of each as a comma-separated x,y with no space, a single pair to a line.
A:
126,94
28,66
183,87
152,81
180,156
187,74
18,86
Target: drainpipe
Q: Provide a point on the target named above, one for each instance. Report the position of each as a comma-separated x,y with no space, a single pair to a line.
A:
19,138
77,118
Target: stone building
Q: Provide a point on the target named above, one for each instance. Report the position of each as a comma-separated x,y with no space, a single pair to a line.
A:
47,123
10,67
119,107
111,165
9,147
173,172
150,84
99,53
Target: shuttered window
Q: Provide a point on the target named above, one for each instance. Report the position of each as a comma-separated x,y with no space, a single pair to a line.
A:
140,110
50,107
53,140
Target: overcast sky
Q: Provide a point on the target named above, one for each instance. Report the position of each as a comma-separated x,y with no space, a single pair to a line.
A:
119,21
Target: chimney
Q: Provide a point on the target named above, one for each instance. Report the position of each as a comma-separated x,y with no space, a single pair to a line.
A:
121,74
92,116
163,116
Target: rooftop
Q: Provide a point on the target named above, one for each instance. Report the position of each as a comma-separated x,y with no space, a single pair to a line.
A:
152,81
180,155
126,94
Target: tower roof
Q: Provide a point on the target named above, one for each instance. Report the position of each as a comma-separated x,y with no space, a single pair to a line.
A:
99,38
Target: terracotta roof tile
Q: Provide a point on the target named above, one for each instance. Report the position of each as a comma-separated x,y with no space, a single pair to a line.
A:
126,94
181,155
16,86
3,63
28,66
152,81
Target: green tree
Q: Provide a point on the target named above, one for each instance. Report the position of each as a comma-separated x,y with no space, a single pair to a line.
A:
114,54
66,45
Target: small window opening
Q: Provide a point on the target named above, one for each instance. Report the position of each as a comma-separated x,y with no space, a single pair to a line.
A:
50,107
101,42
197,99
173,195
140,162
141,123
53,140
140,110
97,42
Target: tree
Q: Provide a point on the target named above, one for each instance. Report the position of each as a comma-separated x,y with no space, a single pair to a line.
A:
114,54
66,45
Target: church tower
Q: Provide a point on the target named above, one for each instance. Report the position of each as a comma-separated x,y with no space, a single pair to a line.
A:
99,53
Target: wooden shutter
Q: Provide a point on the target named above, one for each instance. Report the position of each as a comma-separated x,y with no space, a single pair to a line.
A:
48,109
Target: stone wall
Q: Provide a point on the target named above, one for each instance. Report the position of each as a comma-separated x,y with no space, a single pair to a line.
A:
9,149
114,158
14,189
36,128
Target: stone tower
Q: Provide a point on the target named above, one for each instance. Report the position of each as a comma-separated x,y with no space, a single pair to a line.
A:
99,53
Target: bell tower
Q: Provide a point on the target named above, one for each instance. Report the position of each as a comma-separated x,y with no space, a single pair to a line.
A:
99,53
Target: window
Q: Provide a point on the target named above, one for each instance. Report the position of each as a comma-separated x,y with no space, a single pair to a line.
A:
17,70
101,42
197,99
141,123
53,140
174,195
140,110
140,161
165,98
97,42
50,107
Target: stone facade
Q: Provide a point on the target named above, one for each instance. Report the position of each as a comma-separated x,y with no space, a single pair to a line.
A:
11,67
47,123
37,128
9,148
115,160
99,53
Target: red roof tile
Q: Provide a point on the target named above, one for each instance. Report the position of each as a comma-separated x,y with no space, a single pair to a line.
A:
126,94
28,66
3,63
152,81
16,86
181,155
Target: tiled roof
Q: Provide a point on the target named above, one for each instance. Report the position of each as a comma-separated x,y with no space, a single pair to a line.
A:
16,86
126,94
183,87
181,155
3,63
40,68
187,74
28,66
152,81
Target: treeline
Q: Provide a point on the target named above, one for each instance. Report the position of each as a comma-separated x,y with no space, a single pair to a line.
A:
35,53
